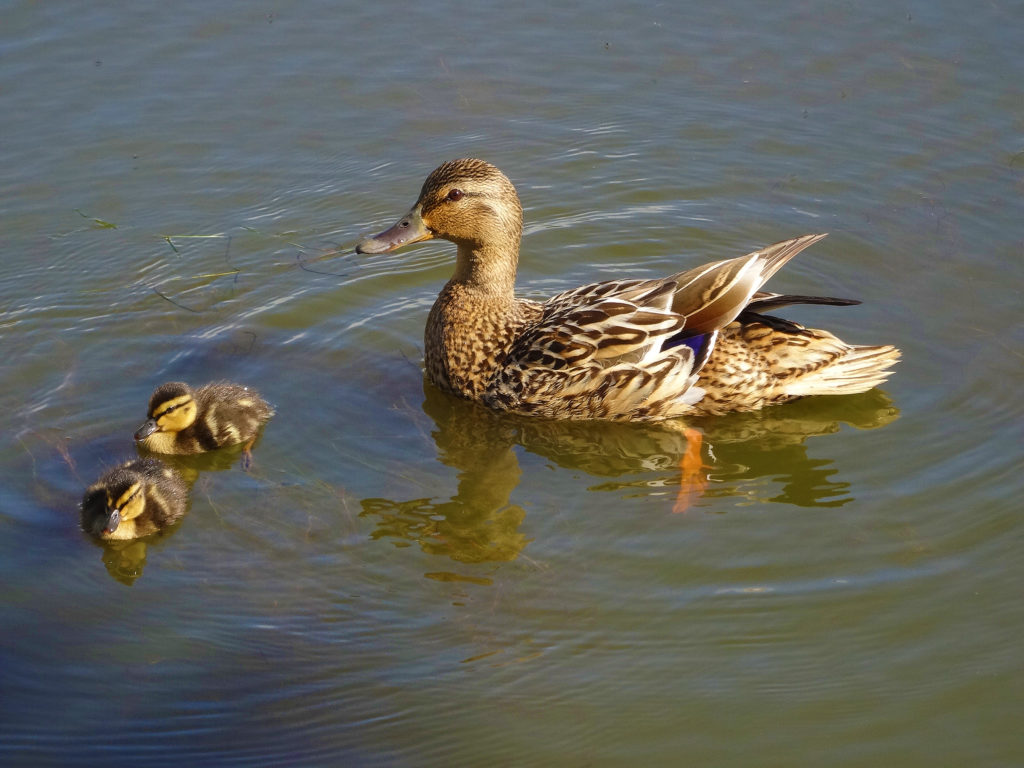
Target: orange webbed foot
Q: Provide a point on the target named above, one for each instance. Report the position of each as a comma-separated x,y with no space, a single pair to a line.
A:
692,480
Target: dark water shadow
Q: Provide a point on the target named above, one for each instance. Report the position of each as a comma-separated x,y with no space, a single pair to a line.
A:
480,522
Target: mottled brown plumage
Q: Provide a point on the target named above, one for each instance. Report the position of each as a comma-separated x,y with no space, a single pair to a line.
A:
135,499
696,342
182,420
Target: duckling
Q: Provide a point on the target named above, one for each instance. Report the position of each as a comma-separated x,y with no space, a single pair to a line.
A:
136,499
182,420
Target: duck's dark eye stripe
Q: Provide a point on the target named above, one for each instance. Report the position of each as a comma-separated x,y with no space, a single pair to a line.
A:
127,501
170,409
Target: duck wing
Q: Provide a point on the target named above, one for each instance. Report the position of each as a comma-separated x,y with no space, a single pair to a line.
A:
711,296
631,347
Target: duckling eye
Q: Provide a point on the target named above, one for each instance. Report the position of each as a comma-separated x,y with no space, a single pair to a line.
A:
117,510
455,194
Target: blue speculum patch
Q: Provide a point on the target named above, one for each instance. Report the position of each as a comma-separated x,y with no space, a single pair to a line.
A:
701,344
696,343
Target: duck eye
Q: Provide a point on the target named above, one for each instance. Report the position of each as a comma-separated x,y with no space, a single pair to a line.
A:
455,194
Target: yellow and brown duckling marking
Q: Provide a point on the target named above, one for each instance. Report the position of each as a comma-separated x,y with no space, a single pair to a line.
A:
696,342
182,420
136,499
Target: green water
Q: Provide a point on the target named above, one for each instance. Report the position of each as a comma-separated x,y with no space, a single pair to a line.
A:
402,578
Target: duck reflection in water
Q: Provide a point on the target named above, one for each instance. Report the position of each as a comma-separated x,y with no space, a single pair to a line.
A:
478,524
760,456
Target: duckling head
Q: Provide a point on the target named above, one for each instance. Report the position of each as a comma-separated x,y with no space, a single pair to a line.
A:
116,498
468,202
172,408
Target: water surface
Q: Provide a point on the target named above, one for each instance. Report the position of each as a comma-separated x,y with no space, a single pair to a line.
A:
402,578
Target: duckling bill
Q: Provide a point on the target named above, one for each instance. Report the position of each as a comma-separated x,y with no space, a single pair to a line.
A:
698,342
136,499
182,420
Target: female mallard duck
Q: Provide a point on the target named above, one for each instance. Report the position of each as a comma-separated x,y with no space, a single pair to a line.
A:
696,342
183,420
136,499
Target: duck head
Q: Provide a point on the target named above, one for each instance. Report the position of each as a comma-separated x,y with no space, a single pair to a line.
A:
172,408
118,497
468,202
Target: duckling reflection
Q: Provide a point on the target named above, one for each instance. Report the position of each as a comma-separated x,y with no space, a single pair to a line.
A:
191,466
129,503
124,560
760,456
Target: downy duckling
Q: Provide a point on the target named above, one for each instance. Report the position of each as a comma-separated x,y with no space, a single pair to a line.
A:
183,420
136,499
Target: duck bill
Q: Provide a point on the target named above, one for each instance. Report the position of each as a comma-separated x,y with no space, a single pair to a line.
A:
112,522
146,429
407,230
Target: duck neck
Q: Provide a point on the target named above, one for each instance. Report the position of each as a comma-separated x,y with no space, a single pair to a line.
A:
488,269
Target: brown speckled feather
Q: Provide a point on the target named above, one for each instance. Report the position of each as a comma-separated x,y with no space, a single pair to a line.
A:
693,342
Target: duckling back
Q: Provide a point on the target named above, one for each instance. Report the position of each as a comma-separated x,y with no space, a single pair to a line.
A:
229,414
